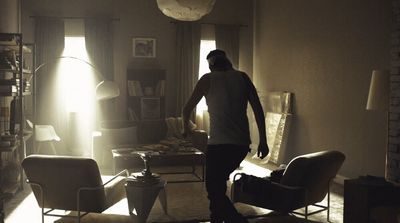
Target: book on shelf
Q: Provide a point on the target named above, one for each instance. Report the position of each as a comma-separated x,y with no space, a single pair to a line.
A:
160,88
8,60
131,92
5,103
134,88
25,49
11,81
6,75
8,40
132,115
6,89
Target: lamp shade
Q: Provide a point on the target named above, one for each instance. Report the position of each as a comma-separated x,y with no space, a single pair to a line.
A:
378,97
107,90
185,10
104,90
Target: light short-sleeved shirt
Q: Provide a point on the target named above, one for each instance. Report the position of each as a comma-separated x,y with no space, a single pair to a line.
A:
227,99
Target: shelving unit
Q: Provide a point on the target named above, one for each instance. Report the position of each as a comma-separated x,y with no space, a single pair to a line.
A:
14,87
146,102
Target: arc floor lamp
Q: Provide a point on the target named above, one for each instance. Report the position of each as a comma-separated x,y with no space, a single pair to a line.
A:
104,90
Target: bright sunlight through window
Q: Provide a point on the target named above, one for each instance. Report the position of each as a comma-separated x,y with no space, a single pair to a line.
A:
205,47
77,77
78,89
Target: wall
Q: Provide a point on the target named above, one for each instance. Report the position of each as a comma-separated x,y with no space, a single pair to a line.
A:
9,16
141,18
324,52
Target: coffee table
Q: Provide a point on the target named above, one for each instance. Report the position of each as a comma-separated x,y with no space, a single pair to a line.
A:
127,158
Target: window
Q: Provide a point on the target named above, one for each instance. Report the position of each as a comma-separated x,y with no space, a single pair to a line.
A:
205,47
77,78
78,91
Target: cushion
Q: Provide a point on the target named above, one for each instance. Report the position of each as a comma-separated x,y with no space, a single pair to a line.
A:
175,126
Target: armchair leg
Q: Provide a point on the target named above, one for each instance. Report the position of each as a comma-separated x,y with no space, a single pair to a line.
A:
53,148
306,212
329,202
42,214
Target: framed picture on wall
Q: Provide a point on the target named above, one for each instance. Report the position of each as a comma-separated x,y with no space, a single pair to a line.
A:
144,47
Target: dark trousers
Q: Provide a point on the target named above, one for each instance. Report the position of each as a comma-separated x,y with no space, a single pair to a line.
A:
221,161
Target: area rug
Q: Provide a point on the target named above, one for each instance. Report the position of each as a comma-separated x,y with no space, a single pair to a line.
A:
187,202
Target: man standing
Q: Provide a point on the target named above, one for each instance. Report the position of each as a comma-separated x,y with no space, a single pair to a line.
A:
227,92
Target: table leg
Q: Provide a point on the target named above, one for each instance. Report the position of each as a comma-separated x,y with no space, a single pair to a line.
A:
162,196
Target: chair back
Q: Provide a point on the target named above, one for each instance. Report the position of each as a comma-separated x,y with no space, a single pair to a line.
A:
60,178
45,133
314,172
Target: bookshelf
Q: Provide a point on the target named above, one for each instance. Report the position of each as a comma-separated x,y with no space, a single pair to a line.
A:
16,61
146,102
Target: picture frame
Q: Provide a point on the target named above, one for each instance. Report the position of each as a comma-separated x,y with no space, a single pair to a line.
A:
144,47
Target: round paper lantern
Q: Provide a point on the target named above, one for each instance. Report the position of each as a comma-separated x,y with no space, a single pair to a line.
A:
185,10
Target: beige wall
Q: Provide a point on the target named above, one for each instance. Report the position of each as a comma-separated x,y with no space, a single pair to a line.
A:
9,16
324,52
141,18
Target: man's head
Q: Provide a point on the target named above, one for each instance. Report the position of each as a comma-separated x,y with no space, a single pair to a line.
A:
217,60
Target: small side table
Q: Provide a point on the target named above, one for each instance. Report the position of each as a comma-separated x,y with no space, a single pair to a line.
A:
142,189
141,198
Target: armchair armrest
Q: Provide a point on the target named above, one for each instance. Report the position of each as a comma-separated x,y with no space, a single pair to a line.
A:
276,175
39,186
112,195
125,171
104,184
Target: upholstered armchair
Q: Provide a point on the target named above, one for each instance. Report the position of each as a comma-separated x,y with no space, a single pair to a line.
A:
305,181
72,184
111,135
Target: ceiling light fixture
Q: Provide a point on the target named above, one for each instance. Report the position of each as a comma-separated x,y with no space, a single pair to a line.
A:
185,10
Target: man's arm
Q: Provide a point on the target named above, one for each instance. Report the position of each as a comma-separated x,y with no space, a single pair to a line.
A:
199,91
254,100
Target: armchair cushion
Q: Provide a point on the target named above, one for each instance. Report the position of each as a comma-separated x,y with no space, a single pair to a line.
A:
256,191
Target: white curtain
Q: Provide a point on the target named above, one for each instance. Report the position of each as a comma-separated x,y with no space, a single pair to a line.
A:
49,40
227,39
188,51
99,46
